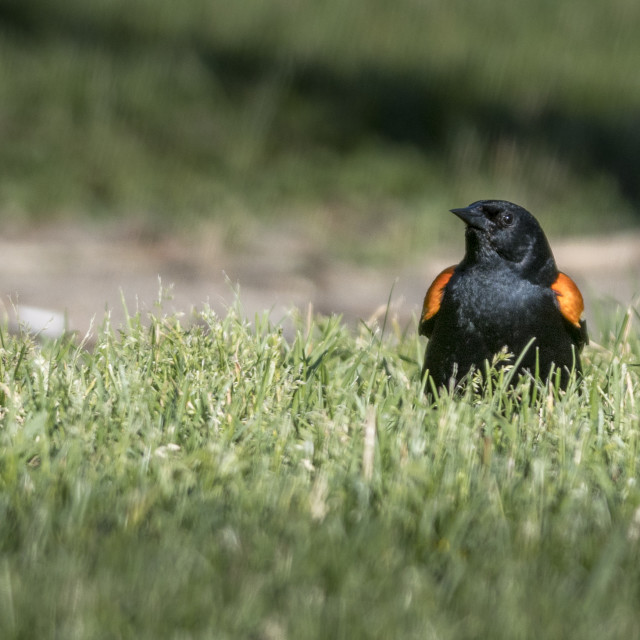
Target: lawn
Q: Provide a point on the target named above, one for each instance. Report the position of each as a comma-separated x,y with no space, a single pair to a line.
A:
219,477
211,478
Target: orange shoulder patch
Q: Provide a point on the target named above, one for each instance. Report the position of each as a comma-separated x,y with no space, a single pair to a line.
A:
569,298
433,298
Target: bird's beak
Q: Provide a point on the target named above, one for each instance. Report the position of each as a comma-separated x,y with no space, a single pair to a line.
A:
472,216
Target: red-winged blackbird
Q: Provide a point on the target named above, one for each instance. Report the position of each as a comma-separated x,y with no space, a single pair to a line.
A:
506,291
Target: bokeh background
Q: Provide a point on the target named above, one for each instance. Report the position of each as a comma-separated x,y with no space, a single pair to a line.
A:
307,151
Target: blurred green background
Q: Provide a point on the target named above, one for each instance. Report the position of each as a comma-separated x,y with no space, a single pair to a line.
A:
361,122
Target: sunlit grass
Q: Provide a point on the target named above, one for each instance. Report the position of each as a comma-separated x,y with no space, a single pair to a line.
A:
219,479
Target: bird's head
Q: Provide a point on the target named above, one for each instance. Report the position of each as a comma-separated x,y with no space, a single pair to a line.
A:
497,229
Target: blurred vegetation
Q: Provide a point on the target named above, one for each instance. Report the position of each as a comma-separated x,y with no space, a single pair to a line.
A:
364,120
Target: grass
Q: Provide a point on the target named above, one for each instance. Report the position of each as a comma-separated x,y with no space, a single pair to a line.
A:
221,480
365,121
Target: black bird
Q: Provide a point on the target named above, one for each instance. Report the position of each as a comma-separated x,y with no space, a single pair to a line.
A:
506,291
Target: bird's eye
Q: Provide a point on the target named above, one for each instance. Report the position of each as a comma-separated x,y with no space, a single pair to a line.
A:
507,219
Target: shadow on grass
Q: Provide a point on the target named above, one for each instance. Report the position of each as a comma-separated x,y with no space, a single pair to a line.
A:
424,110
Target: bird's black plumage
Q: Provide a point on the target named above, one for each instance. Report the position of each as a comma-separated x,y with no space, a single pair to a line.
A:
506,291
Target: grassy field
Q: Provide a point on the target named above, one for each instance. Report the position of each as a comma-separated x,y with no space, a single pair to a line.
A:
363,121
209,477
221,481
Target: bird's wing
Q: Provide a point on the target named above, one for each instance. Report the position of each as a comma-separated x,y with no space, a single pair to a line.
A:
571,307
433,299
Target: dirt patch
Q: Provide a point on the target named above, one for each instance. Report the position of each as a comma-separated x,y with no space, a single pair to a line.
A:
80,273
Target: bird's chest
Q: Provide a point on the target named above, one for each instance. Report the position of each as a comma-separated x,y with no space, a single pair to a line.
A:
497,304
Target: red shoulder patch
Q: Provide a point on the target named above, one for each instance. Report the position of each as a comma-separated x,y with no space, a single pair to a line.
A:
433,298
569,298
